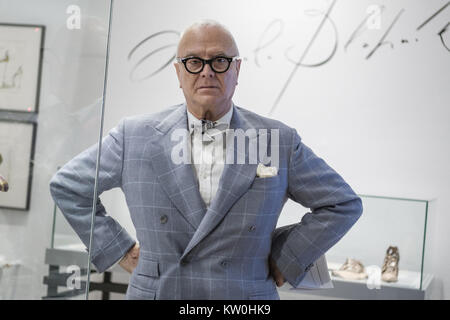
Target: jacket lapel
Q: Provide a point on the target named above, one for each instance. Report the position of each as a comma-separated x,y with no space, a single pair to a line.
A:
234,182
177,180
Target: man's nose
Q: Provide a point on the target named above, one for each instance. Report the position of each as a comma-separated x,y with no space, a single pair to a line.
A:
207,71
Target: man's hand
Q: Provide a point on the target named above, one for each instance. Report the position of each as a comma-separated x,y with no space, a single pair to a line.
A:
276,273
130,260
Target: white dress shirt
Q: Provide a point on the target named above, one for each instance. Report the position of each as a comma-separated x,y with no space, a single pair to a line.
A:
208,153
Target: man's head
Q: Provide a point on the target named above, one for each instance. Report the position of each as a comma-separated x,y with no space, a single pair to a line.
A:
208,94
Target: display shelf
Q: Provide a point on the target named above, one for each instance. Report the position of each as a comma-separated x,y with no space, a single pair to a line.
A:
406,279
357,290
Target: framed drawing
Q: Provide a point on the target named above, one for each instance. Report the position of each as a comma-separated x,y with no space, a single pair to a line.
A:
20,66
17,140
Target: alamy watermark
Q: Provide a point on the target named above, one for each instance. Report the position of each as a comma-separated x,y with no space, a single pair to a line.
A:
252,152
74,280
374,277
74,20
374,20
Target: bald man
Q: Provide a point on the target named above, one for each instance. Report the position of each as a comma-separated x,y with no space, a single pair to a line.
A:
206,225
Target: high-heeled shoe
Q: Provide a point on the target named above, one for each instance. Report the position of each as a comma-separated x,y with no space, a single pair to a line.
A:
352,269
389,271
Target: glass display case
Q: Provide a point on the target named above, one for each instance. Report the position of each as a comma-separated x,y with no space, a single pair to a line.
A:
383,256
388,222
52,76
67,259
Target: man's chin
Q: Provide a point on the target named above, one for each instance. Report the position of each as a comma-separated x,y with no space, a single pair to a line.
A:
208,100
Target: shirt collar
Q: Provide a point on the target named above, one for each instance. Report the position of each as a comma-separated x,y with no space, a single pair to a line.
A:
226,118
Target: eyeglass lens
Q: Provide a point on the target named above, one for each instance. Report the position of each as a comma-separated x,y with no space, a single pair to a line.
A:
219,64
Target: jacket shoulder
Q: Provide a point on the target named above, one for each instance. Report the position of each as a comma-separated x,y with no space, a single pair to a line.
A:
137,122
262,122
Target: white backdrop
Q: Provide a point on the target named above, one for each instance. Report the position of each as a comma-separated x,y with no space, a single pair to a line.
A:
381,121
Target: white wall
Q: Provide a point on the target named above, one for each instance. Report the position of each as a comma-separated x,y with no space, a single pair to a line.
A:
381,122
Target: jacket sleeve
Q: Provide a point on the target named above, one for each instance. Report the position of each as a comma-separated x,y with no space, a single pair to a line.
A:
72,189
334,209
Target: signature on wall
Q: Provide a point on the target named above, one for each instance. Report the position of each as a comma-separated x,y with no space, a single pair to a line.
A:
269,36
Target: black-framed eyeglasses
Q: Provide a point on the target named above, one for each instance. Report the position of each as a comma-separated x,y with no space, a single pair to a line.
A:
219,64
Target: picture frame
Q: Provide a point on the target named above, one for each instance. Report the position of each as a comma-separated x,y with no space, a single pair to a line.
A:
17,146
21,47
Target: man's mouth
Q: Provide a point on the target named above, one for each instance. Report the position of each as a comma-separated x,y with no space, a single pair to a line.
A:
208,87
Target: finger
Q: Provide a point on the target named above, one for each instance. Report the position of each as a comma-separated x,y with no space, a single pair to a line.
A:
276,273
279,280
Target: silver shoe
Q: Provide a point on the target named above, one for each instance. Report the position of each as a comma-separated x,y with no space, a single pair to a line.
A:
352,269
389,272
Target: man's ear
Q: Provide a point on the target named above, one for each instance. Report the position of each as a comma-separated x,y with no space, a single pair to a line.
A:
177,68
238,66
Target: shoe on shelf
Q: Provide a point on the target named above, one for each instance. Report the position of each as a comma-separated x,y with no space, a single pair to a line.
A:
389,271
352,270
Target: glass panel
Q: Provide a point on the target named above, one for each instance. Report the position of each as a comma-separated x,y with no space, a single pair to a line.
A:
387,222
52,71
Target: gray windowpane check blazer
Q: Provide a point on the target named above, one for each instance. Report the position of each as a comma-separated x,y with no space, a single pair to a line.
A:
188,250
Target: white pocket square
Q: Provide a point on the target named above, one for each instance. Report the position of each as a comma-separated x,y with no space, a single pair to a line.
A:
265,172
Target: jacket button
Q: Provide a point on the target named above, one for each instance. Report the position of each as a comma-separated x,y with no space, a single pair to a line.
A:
224,264
251,228
184,262
163,219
